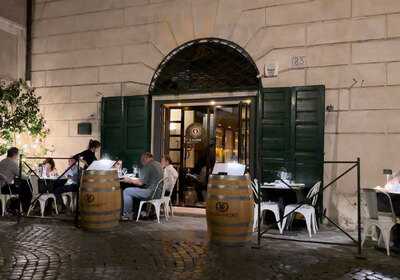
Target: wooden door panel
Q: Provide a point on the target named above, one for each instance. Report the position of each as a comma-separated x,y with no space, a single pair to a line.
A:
292,132
125,130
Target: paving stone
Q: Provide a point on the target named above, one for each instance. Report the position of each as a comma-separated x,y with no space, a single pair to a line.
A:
177,249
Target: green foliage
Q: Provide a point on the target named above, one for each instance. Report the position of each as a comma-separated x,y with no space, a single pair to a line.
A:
19,113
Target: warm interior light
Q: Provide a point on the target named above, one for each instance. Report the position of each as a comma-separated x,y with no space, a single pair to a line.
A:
248,101
212,102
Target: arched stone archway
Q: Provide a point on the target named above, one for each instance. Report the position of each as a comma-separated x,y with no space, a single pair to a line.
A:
205,65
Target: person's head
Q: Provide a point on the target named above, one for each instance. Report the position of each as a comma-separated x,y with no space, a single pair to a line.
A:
13,153
94,145
49,163
146,158
71,161
165,161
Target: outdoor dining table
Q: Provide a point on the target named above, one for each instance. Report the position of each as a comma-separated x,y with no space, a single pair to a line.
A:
49,184
279,189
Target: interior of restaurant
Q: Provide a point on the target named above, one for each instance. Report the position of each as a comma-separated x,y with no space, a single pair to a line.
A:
198,135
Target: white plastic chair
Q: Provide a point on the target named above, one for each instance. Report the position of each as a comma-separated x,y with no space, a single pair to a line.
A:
69,200
385,221
156,202
37,197
307,210
168,186
4,198
265,206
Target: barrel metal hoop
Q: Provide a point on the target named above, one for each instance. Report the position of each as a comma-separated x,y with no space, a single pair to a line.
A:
229,197
85,222
94,190
219,224
225,234
235,187
230,177
100,213
99,180
100,172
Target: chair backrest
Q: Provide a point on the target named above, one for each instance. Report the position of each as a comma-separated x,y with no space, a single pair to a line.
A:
372,203
33,182
388,203
254,188
169,186
313,193
3,182
160,184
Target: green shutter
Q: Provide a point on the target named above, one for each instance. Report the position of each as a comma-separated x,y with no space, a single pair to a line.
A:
125,127
308,133
111,126
136,128
274,120
292,132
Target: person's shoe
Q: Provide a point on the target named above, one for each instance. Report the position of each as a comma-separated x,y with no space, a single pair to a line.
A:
144,214
126,217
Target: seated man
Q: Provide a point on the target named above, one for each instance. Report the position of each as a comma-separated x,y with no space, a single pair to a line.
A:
9,171
145,187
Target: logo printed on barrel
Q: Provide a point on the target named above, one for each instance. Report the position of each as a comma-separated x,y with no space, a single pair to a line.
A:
89,198
221,206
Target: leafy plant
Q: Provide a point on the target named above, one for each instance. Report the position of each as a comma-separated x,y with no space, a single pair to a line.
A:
19,113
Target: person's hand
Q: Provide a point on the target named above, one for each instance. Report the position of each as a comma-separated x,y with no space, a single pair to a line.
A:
126,180
118,164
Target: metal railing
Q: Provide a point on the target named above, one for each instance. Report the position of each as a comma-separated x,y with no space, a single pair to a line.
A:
23,162
356,242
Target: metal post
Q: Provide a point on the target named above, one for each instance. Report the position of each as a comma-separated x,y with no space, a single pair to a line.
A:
359,205
20,166
259,216
19,214
77,196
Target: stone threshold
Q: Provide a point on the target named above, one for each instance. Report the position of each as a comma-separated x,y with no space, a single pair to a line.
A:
189,211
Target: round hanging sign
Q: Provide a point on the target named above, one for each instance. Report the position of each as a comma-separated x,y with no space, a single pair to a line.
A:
194,133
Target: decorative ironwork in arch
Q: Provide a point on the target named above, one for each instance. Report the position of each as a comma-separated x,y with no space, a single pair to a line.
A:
205,65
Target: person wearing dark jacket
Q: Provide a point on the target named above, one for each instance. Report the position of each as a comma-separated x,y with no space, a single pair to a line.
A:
89,155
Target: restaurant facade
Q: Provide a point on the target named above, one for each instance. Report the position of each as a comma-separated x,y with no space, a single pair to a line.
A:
273,84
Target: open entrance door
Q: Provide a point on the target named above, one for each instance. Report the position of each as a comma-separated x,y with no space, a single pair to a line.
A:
198,136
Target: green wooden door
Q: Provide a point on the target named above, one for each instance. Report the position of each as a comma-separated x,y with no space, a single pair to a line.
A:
111,127
136,128
307,132
291,122
274,117
125,130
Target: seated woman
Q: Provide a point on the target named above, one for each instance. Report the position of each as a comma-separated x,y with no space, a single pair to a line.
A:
49,168
170,174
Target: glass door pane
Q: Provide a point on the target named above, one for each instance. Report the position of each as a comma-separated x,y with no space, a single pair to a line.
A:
227,133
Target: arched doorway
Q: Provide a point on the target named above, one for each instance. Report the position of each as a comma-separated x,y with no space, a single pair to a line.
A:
205,65
209,85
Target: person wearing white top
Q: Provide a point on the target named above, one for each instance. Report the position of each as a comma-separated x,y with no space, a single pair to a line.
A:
170,174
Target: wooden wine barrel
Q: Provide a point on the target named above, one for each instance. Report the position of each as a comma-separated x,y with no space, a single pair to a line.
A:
99,200
230,207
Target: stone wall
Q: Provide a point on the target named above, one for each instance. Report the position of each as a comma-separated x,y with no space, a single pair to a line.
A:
83,50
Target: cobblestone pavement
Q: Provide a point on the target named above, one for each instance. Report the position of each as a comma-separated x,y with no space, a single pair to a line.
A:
177,249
